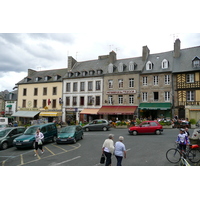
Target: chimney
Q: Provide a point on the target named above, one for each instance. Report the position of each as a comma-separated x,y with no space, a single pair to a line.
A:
71,62
145,53
30,72
177,48
112,57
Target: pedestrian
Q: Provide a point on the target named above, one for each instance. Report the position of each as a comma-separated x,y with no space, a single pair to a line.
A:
120,151
108,149
182,140
38,142
187,132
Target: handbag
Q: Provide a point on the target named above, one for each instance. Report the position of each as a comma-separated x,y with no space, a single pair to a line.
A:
102,160
40,142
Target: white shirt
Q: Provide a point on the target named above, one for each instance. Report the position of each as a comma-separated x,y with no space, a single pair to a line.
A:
39,137
119,149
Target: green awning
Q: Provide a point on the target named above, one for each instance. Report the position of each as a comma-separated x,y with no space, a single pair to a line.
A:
9,106
155,106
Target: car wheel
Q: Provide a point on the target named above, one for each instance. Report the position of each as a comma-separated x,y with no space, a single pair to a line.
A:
134,132
74,141
105,129
87,129
158,132
54,139
4,145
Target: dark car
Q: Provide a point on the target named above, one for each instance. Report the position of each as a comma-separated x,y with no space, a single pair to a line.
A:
7,135
69,134
97,125
28,138
150,127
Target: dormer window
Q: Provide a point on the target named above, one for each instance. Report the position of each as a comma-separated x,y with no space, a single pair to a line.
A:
165,64
196,62
77,74
84,73
37,79
70,74
110,68
149,65
56,77
46,78
131,66
27,79
91,72
121,67
99,71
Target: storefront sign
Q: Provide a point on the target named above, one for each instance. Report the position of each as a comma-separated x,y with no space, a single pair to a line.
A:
122,92
72,109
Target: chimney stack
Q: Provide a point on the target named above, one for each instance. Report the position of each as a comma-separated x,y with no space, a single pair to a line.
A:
145,53
177,48
71,62
112,57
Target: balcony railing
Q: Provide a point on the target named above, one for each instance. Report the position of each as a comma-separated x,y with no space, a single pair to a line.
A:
188,103
184,85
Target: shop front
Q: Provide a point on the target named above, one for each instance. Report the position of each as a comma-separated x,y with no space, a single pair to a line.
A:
116,113
153,111
51,116
89,114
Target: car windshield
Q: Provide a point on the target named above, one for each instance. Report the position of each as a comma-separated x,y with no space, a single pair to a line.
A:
31,131
67,129
4,132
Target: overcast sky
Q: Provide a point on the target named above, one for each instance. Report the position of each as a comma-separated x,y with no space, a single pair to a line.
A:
19,52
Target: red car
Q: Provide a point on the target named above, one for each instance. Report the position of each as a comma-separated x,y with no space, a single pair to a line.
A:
152,127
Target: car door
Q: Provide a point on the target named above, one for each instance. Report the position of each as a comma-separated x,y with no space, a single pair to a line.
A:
77,132
45,133
144,127
11,136
93,125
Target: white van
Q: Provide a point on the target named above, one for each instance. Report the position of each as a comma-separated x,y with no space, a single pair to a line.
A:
3,121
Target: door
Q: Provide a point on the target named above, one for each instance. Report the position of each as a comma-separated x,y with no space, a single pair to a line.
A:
146,128
11,136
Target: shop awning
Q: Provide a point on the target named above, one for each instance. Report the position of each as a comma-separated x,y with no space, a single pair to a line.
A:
9,106
117,110
90,111
155,106
51,114
28,114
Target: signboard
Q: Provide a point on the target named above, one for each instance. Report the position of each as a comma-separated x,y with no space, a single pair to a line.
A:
72,109
122,92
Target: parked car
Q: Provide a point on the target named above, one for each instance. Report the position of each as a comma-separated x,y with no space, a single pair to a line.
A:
97,125
28,138
70,134
7,135
150,127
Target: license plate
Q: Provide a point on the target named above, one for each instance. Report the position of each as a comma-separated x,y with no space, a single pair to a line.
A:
18,143
63,140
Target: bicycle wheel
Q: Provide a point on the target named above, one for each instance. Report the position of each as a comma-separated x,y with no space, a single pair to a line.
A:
173,155
194,155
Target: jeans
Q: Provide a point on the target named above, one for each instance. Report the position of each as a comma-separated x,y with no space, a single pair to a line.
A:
108,158
119,160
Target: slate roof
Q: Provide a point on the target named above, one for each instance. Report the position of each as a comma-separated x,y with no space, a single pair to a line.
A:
43,74
14,96
184,62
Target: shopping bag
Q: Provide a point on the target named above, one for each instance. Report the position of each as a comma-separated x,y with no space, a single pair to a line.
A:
102,160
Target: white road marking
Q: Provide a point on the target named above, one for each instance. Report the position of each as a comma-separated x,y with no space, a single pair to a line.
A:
67,161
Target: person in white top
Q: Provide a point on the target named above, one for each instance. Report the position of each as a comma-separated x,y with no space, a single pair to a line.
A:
120,151
38,142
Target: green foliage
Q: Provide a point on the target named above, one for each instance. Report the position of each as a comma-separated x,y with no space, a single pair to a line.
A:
168,123
193,121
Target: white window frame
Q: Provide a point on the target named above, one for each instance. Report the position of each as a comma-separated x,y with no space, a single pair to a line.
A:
149,65
155,80
131,99
165,64
190,78
131,66
131,82
110,99
144,96
121,83
167,96
145,81
167,79
110,84
190,95
120,99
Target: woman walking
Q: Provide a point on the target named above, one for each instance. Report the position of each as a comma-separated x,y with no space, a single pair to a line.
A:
38,142
120,151
108,149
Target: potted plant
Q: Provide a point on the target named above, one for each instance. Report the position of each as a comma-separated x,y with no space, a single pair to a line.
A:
193,123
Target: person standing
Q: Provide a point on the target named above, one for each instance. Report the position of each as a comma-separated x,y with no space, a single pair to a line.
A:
108,149
187,132
38,142
120,151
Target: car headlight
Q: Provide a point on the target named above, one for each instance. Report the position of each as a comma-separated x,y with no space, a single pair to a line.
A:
26,141
14,140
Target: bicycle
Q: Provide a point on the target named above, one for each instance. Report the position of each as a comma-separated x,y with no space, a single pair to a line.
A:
174,155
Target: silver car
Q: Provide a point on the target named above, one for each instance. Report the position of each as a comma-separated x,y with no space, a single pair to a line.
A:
97,125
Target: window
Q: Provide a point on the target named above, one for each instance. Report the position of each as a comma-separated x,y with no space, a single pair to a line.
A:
82,86
75,87
36,79
90,86
131,66
84,73
110,68
121,83
35,103
44,103
45,91
156,96
110,84
68,87
144,97
155,80
99,71
167,79
23,103
24,91
121,67
165,64
131,82
190,78
196,62
131,99
98,100
120,98
190,95
82,101
77,74
110,99
54,90
46,78
91,72
90,100
98,85
149,66
54,103
74,101
167,96
144,81
35,91
67,101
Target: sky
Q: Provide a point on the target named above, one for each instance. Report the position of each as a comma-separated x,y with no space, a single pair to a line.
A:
43,51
